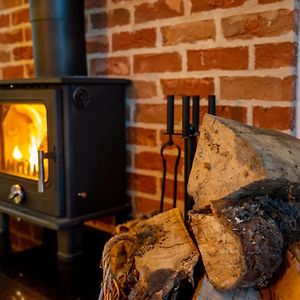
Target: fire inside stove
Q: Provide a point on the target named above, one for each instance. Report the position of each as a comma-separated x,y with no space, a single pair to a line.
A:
23,132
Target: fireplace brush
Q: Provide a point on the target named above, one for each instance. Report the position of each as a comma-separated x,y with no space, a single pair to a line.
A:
190,132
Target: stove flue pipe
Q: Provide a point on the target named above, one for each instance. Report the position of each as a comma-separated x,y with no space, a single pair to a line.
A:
58,34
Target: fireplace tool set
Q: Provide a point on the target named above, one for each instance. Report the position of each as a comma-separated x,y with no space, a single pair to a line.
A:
190,132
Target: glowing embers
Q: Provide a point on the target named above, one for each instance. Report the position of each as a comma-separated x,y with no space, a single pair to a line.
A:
23,132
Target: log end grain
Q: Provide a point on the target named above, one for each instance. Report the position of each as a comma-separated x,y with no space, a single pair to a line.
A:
235,158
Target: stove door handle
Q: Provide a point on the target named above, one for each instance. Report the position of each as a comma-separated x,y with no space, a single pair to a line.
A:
41,173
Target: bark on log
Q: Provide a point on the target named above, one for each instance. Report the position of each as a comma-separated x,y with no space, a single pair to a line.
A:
233,160
242,241
165,256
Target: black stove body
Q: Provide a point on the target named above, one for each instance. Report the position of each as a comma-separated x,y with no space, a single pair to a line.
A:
85,157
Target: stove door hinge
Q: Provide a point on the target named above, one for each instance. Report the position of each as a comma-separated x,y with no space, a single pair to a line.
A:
41,174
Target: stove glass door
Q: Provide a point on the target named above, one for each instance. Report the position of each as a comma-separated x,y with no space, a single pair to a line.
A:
23,131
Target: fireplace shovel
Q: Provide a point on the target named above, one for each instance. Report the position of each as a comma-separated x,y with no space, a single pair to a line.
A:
169,144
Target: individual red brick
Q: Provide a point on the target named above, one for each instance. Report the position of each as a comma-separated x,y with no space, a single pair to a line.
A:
160,9
12,72
150,113
96,44
141,89
148,161
143,38
169,188
142,183
279,118
20,16
9,3
11,37
157,63
110,65
188,32
116,17
152,161
188,86
141,136
88,4
236,113
4,20
28,34
275,55
154,113
264,24
20,53
204,5
220,59
98,20
262,88
145,205
5,56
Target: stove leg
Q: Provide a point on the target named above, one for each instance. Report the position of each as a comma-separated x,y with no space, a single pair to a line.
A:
69,243
5,246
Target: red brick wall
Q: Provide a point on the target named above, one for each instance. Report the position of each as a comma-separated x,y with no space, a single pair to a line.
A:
244,51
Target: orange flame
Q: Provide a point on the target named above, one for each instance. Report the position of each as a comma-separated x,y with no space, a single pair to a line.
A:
17,155
33,155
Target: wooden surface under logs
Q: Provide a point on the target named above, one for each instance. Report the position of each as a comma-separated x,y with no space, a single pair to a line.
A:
234,160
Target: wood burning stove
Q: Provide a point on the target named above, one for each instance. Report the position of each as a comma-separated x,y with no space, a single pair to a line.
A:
62,134
62,143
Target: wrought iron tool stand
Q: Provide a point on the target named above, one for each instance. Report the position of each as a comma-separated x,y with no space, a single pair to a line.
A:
190,132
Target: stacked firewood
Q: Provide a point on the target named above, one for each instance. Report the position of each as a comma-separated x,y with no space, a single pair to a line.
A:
246,185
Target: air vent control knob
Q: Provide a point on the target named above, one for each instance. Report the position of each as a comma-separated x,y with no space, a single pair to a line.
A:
16,194
81,97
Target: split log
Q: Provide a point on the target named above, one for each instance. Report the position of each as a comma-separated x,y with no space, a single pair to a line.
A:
242,241
255,172
233,160
165,257
155,260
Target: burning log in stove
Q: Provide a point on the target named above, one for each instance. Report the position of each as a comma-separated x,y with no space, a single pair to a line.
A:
246,183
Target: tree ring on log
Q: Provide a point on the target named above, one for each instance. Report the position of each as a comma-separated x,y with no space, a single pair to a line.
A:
242,241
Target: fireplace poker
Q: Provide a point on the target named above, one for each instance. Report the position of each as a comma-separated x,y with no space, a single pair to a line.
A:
190,131
169,144
212,105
